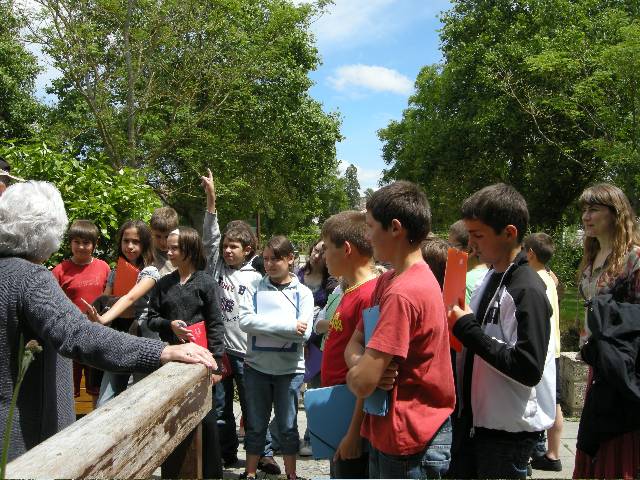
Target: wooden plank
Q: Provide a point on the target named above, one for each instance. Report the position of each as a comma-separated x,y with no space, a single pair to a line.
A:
84,403
130,436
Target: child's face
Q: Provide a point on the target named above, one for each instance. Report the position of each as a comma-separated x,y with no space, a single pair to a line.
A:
276,268
173,250
130,245
317,255
491,247
160,239
81,250
234,253
334,258
381,240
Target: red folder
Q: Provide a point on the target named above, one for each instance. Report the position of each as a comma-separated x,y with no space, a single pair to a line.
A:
126,277
200,338
455,285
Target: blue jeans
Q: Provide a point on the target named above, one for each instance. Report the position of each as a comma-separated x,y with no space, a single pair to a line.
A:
264,391
432,462
112,385
224,406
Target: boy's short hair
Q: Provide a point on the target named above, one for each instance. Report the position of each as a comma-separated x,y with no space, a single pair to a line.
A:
164,219
239,231
497,206
460,233
434,253
348,226
542,245
406,202
85,230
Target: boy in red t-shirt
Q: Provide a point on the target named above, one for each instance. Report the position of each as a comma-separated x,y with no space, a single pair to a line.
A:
410,340
348,255
83,277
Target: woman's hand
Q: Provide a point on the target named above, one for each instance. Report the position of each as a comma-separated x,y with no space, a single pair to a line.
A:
181,331
188,353
91,312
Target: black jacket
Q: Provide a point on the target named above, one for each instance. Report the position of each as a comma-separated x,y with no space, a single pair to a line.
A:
612,401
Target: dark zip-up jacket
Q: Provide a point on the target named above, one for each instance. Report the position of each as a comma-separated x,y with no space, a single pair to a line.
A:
512,385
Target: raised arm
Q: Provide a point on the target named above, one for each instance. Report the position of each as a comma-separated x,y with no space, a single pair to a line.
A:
210,228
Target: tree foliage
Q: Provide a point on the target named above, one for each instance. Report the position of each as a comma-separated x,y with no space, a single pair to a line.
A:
542,94
18,70
174,87
352,186
91,189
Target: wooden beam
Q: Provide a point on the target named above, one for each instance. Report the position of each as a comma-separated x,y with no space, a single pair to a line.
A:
130,436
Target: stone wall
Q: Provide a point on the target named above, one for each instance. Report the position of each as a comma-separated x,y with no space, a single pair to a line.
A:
573,378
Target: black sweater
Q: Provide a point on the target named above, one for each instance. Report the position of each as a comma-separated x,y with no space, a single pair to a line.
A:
193,302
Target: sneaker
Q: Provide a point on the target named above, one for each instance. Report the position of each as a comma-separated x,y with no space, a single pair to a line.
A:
230,461
269,466
545,463
305,449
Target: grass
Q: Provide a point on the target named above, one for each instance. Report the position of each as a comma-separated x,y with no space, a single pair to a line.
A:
571,315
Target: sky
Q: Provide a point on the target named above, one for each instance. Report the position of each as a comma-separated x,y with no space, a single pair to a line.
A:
372,51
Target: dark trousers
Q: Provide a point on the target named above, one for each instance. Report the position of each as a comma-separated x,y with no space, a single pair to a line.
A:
211,458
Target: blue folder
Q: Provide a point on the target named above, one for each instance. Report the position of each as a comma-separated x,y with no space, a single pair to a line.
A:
329,411
378,402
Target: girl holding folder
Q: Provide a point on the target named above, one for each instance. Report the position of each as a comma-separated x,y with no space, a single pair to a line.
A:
132,281
278,322
184,299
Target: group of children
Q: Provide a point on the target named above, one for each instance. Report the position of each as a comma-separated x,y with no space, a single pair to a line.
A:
474,413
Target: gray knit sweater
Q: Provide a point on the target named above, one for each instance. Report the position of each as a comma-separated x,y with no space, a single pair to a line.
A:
32,303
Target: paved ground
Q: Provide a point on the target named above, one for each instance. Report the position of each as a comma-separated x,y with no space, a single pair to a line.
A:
309,468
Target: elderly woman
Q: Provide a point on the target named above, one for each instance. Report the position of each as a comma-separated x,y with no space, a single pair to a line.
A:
32,306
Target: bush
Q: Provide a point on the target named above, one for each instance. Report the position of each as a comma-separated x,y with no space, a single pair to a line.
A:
91,188
566,259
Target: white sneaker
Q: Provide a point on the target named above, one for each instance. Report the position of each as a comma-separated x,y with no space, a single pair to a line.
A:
305,449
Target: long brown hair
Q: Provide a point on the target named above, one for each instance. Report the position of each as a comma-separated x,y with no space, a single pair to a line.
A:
146,257
625,229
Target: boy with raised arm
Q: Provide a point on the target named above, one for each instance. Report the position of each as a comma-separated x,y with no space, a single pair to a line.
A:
229,261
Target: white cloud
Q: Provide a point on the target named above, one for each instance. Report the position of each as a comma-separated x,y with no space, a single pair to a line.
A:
370,77
348,23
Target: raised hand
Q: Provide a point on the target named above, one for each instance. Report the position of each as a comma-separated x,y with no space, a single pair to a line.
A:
210,189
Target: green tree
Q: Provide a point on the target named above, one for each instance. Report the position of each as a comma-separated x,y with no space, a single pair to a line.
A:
18,70
541,94
352,186
175,87
91,189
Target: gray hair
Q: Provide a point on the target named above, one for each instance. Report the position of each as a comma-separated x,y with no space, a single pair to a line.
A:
32,221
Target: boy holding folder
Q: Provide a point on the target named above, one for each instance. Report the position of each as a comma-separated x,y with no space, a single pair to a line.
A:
348,255
413,439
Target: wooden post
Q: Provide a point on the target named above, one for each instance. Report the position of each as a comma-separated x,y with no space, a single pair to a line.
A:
186,460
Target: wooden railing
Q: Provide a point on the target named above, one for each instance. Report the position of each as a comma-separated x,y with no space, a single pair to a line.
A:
155,422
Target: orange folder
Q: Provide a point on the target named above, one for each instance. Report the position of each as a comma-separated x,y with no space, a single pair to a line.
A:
455,285
126,277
